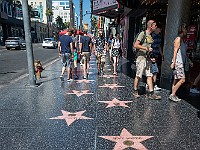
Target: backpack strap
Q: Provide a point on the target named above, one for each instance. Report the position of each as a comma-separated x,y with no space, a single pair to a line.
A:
144,37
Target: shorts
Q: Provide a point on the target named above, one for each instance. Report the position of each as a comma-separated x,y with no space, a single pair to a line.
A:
87,55
143,65
66,60
155,68
115,52
100,58
179,71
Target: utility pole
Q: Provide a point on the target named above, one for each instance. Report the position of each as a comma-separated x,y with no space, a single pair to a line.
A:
81,14
29,47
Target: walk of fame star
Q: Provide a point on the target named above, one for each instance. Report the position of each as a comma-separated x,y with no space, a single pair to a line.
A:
71,117
80,93
126,140
116,102
109,76
84,80
112,86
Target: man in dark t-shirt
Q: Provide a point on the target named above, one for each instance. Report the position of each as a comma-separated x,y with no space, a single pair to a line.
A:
86,49
65,49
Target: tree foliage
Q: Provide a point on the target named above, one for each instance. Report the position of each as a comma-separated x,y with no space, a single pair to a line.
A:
94,22
59,23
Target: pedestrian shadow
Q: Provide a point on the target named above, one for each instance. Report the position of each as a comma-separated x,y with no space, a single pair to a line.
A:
40,81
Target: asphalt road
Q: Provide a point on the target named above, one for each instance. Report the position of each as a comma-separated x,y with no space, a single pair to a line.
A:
13,63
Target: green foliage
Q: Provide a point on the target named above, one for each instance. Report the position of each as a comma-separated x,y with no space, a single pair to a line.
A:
94,26
66,24
59,23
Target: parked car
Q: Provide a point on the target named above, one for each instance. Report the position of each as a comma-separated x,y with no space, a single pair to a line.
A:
49,43
15,42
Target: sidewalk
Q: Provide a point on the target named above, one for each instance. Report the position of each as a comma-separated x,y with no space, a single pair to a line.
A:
95,114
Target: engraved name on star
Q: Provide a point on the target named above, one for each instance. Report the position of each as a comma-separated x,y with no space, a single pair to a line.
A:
126,140
80,93
84,80
109,76
71,117
116,102
112,86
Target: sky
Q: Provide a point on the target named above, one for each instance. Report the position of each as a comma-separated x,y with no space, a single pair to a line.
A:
86,7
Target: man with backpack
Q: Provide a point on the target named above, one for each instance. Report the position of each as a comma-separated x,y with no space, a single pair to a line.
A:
144,60
86,49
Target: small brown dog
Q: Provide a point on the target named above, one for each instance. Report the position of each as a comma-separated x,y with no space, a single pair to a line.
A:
38,69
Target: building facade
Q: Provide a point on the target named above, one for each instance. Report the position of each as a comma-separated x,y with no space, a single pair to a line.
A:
41,7
9,24
61,8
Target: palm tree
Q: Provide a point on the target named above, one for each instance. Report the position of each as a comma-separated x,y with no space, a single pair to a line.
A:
66,24
49,13
59,22
94,24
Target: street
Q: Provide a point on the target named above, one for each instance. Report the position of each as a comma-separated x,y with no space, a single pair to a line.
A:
14,62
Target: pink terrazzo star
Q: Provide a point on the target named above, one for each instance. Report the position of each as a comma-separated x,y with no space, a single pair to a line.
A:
112,86
116,102
109,76
126,140
84,80
71,117
80,93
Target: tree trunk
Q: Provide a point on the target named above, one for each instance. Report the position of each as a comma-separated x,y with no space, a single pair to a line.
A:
71,13
81,14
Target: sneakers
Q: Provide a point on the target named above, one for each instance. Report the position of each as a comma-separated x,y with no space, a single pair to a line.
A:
84,77
194,91
61,78
69,80
154,96
75,77
174,98
156,88
135,94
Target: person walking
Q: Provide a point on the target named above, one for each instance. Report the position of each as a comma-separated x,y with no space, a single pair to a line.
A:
75,46
143,61
179,61
66,51
100,45
86,50
157,53
116,44
110,40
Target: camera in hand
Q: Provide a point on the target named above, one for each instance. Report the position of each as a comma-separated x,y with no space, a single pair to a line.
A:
150,54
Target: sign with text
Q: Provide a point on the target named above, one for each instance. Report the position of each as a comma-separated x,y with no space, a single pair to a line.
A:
190,37
103,5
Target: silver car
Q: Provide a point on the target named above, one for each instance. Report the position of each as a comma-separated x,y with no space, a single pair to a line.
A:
15,42
49,43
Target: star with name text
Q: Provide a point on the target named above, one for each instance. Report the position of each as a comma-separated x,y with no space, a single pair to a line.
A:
71,117
112,86
126,140
84,80
80,93
116,102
